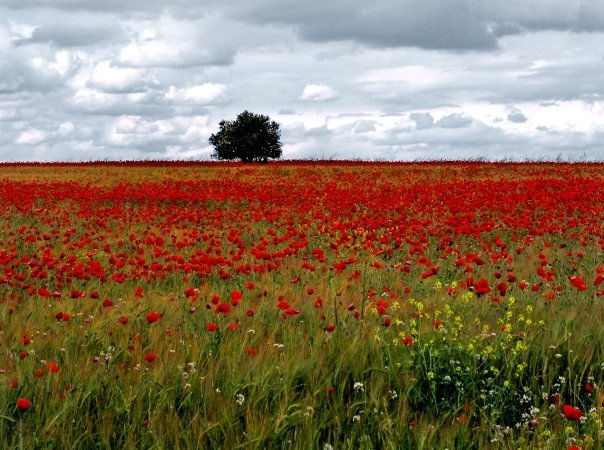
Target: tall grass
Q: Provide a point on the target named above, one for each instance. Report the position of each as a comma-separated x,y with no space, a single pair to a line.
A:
476,373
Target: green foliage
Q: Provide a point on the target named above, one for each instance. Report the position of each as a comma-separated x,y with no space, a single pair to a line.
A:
250,137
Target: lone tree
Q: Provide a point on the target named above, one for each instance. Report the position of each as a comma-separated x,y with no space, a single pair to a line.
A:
250,137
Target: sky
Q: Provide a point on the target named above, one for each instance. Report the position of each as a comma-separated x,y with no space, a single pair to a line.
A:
380,80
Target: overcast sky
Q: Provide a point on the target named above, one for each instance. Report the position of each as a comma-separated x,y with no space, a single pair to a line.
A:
387,79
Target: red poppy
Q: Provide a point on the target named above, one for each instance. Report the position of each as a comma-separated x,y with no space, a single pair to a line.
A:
329,328
211,326
52,367
283,305
152,317
23,404
482,287
571,412
430,272
223,308
382,306
123,320
578,283
150,357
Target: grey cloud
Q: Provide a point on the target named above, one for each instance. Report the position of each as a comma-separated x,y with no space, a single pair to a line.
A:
482,141
430,24
364,126
517,117
506,29
422,120
86,33
162,54
132,6
18,77
318,131
476,141
99,103
433,24
454,120
118,107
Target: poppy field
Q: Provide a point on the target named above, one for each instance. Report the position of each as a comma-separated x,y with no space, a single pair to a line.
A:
302,305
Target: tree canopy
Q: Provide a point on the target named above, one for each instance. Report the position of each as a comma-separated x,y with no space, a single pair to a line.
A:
250,137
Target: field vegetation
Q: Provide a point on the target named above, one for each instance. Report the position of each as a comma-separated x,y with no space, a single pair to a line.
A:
301,305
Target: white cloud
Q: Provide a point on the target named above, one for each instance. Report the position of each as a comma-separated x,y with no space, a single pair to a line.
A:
109,78
66,128
62,62
417,75
318,92
21,30
153,53
31,136
203,94
172,42
134,125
